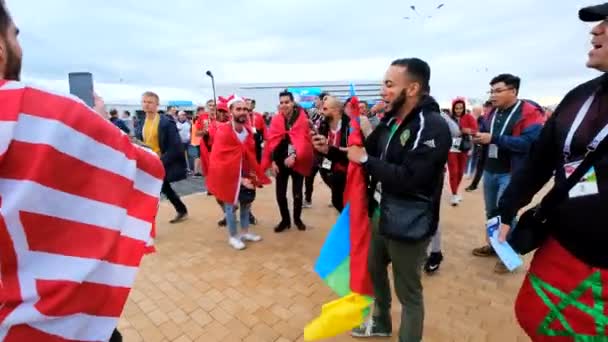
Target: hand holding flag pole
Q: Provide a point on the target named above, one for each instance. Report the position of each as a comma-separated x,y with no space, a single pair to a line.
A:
342,262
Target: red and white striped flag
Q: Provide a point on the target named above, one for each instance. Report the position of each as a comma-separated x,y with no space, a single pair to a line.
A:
78,202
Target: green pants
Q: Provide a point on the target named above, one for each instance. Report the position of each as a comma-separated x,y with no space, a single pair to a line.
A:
407,259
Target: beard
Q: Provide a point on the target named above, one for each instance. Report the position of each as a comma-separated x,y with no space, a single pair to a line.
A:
240,119
396,105
13,66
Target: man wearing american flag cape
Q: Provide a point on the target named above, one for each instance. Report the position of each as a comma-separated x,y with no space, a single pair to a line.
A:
67,175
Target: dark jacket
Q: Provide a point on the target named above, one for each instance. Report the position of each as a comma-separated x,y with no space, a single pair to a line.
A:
171,148
120,124
524,133
579,224
415,158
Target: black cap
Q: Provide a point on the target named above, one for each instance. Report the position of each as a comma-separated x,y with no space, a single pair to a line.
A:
594,13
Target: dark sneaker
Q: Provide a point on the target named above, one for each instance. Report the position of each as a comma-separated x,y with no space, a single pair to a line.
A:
500,268
300,225
470,189
222,222
252,220
281,227
433,262
484,252
373,327
179,218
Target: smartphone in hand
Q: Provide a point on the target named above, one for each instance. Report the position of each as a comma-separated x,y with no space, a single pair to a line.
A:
81,86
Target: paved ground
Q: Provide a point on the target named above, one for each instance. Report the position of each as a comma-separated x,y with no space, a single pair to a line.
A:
197,288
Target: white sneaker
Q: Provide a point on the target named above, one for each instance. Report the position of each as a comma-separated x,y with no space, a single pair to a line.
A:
454,200
236,243
459,198
251,237
307,205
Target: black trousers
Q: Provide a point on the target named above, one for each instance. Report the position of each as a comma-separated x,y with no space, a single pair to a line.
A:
297,183
116,336
172,196
336,181
309,183
481,161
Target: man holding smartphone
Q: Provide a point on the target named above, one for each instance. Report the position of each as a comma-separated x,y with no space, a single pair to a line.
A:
332,135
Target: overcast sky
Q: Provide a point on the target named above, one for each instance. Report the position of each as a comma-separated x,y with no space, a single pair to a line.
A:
130,45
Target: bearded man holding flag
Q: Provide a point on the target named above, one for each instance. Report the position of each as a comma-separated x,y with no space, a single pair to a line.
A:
405,158
67,174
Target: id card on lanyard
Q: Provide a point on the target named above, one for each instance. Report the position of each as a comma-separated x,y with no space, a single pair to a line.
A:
587,185
493,148
327,164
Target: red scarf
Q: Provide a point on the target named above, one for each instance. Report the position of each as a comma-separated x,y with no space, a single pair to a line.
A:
206,145
228,157
300,138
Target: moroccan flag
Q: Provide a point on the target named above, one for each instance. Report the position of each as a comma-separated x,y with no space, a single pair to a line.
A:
342,263
77,205
229,159
299,135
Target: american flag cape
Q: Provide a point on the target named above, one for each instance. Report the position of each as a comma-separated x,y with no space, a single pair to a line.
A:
77,205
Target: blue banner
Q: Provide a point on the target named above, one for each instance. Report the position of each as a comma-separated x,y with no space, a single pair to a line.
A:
305,97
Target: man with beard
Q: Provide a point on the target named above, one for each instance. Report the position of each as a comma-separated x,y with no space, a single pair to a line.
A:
234,172
78,199
571,264
159,132
405,157
333,134
289,151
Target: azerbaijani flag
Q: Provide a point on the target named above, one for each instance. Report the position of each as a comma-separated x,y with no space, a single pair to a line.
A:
342,263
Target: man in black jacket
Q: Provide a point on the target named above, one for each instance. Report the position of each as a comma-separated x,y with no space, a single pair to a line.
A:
574,255
405,157
159,132
333,134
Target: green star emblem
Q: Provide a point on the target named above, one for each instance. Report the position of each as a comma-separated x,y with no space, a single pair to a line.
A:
405,136
594,283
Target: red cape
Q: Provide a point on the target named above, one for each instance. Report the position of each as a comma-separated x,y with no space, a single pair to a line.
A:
258,123
300,138
355,193
206,146
228,157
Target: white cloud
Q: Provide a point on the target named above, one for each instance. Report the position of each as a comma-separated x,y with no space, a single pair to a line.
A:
132,46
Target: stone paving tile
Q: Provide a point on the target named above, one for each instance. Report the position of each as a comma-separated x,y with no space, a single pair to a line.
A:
197,288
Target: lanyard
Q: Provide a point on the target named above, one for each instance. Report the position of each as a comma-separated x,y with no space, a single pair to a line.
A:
335,134
390,137
580,116
504,126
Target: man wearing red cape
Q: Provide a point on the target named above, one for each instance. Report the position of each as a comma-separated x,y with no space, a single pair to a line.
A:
258,127
234,172
289,152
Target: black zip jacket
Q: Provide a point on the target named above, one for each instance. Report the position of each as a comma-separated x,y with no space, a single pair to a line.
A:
579,224
415,157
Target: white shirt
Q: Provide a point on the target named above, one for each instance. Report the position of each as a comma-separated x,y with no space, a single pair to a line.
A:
184,131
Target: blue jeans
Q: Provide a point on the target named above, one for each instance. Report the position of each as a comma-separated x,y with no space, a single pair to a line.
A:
494,185
245,208
193,153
